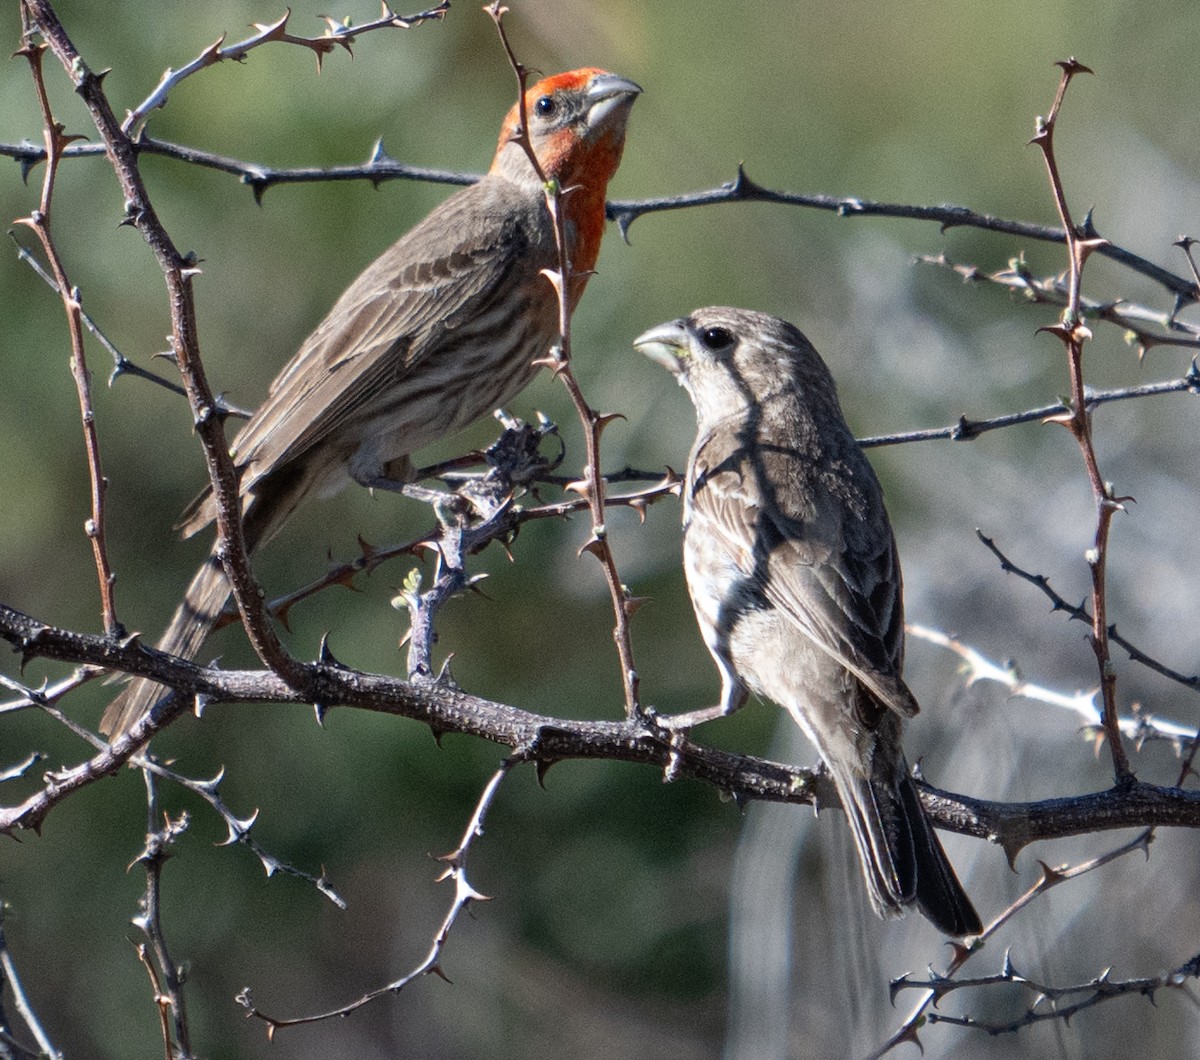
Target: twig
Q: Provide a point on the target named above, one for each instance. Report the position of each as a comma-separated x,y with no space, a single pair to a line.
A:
743,189
591,486
179,271
11,979
238,828
469,519
1054,1002
257,176
164,974
122,365
1073,333
1052,290
507,522
19,769
1139,728
379,168
932,992
966,430
337,34
464,895
39,223
1080,613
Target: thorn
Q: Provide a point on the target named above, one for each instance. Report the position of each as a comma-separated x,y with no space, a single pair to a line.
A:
1049,876
1059,331
1007,969
624,219
959,951
1064,418
895,986
258,186
1072,66
909,1034
325,656
211,786
1011,847
238,829
543,766
199,703
633,604
603,419
595,545
743,186
555,278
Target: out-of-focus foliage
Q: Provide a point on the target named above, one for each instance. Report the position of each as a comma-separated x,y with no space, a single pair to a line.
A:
608,935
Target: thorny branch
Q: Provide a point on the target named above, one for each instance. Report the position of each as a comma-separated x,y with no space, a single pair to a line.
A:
10,981
164,974
238,829
501,526
1081,614
480,511
1073,332
380,168
337,34
40,223
1052,1002
1140,728
445,708
179,272
464,895
965,430
1052,290
1050,878
591,487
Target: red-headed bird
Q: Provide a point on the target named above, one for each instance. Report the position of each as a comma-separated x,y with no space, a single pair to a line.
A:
442,327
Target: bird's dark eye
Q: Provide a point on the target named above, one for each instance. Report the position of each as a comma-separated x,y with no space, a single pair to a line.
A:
545,107
716,338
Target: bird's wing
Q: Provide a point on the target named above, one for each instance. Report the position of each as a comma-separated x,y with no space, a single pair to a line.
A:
836,576
398,312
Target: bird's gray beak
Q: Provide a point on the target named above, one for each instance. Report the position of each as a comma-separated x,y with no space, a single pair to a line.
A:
665,344
605,94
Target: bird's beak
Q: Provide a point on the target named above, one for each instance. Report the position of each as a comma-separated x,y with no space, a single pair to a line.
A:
665,345
606,94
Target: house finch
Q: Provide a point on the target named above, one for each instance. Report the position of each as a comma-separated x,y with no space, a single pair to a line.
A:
442,327
795,581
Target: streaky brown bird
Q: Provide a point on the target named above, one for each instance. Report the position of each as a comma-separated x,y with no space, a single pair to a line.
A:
442,327
793,573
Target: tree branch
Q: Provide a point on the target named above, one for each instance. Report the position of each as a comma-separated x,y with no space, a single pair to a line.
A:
548,739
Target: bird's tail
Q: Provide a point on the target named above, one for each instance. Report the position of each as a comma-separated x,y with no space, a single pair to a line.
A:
902,859
274,500
193,621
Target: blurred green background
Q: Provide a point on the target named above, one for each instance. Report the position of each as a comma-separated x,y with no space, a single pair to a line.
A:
610,930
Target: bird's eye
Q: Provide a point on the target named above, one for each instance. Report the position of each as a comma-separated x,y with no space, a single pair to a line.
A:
545,107
716,338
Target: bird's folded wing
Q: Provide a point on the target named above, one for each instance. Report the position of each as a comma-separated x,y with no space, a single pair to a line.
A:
397,313
844,598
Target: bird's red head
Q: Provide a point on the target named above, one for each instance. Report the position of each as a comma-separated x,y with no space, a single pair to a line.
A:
577,131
